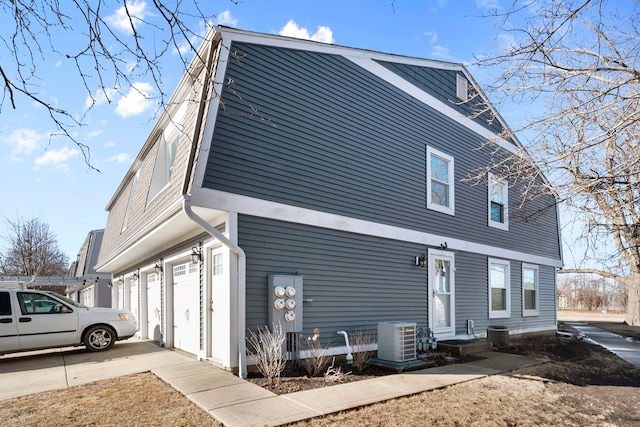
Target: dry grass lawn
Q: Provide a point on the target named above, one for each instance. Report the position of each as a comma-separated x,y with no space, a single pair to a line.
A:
134,400
582,385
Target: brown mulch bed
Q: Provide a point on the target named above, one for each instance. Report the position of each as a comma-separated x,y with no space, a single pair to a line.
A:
294,378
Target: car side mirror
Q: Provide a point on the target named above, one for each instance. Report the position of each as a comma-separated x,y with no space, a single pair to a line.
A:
65,309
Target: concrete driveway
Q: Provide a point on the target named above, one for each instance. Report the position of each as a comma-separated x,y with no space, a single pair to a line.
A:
33,372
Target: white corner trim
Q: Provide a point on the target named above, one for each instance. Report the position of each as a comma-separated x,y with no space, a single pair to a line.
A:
221,200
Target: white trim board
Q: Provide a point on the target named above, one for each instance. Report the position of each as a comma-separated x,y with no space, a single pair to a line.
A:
221,200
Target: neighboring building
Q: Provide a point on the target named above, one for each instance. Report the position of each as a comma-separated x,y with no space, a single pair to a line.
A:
93,288
334,172
82,283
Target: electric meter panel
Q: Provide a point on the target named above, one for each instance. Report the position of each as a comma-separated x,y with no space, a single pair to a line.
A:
285,302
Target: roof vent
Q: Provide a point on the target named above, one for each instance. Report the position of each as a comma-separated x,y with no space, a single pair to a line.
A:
462,87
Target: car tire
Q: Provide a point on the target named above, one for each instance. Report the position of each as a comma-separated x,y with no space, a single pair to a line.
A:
99,338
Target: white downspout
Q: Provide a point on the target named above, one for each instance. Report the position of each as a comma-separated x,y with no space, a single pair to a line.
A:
242,271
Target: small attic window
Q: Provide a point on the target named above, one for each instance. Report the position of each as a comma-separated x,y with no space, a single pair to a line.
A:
167,148
462,87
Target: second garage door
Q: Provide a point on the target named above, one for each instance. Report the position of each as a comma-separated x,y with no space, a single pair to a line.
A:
186,307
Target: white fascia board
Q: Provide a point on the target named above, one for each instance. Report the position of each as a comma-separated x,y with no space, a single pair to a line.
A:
221,200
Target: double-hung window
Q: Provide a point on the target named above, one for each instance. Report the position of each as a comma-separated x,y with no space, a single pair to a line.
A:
530,290
499,289
498,203
440,182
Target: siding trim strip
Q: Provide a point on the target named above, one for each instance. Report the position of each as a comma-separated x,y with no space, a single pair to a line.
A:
221,200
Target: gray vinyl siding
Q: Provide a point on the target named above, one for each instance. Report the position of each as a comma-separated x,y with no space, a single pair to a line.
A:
355,281
316,131
472,296
441,84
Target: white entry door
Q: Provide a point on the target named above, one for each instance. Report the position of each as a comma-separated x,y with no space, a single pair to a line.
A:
154,305
186,307
442,318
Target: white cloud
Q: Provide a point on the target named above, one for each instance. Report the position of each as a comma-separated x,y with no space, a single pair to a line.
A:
23,141
488,4
433,36
123,19
136,101
442,53
119,158
225,18
110,144
100,97
291,29
94,133
57,158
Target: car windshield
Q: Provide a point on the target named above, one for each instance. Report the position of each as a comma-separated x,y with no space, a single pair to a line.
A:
67,300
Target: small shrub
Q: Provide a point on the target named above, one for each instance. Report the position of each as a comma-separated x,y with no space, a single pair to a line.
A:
362,339
334,374
267,348
317,358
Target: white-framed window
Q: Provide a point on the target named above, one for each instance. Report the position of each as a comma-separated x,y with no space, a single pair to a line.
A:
530,293
498,199
167,143
499,288
180,270
193,268
440,182
217,264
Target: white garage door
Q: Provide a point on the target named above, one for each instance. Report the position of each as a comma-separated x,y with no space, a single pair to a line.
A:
186,307
154,305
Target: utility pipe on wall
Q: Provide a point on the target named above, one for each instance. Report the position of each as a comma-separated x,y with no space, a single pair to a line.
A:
241,277
346,339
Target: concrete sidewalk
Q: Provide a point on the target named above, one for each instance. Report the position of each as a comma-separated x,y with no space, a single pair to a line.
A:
236,402
625,348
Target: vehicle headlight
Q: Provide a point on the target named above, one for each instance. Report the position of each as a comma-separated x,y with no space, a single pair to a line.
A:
125,316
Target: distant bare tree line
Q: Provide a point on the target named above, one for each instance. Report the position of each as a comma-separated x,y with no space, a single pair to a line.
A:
583,292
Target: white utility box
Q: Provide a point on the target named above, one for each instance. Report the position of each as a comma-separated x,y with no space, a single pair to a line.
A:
397,341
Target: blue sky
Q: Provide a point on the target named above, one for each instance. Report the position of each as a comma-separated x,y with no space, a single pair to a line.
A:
47,177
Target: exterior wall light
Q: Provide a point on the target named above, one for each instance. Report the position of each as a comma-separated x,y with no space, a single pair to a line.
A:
196,255
158,267
421,260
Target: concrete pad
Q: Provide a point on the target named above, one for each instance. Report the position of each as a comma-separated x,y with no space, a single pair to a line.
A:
504,362
416,383
204,381
344,396
457,369
82,373
184,370
273,411
230,395
32,373
35,378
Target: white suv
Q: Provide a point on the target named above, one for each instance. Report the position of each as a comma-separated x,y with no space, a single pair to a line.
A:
32,320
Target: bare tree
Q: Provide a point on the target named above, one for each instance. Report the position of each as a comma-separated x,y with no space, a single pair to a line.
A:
31,250
578,61
113,44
